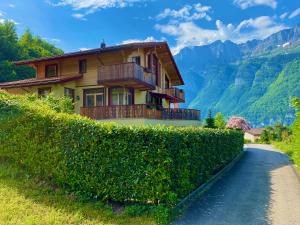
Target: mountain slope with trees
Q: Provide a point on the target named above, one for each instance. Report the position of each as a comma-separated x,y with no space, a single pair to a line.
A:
13,48
255,79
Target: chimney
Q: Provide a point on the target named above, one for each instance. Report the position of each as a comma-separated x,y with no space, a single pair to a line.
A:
103,45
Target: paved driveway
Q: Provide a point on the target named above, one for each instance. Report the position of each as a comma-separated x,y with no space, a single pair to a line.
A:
262,188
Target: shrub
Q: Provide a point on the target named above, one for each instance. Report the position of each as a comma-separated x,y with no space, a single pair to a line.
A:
220,121
122,163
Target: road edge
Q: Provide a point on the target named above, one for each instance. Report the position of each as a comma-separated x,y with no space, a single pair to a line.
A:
202,189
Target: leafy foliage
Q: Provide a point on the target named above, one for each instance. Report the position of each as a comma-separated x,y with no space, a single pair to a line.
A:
13,48
237,122
108,161
292,144
220,121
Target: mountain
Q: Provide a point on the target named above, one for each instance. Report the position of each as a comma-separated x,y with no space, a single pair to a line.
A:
255,79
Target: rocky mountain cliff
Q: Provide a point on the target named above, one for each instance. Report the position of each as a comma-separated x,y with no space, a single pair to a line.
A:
255,79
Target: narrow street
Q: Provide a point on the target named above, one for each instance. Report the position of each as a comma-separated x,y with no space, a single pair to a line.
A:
262,188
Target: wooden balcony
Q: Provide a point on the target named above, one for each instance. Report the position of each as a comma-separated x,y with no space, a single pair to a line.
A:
175,95
138,111
126,75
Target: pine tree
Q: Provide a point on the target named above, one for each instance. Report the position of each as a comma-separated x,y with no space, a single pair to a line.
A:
210,121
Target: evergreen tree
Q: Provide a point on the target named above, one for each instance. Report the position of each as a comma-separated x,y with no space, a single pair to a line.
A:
210,121
220,121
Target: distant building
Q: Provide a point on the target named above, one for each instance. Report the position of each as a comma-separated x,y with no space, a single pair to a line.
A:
253,134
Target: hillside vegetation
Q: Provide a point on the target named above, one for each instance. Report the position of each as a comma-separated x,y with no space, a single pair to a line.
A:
13,48
255,80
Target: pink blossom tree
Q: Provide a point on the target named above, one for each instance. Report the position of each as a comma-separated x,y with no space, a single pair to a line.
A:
237,122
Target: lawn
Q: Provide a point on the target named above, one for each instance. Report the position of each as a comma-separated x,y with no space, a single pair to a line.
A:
27,200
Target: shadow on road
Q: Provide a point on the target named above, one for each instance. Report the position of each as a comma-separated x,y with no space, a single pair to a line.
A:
242,195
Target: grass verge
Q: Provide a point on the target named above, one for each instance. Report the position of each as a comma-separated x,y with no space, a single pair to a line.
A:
27,200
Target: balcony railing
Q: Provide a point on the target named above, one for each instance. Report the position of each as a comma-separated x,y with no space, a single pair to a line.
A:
175,94
126,74
138,111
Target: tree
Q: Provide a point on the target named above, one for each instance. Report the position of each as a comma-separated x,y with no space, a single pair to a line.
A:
237,122
220,121
13,48
210,121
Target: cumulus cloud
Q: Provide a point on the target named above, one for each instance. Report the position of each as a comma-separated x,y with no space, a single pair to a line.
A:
148,39
187,13
244,4
284,15
189,34
90,6
295,13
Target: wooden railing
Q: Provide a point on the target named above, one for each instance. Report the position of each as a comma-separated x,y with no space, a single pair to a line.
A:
175,93
125,71
138,111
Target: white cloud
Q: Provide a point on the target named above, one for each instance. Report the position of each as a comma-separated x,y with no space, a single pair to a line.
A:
84,49
79,16
284,15
90,6
11,5
187,13
295,13
148,39
189,34
244,4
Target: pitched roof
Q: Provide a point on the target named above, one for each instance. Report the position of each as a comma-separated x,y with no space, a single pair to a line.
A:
255,131
36,81
159,45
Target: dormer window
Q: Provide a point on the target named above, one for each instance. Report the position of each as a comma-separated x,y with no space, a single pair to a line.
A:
51,70
136,59
82,66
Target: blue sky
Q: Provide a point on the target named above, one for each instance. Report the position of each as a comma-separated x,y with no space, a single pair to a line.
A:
82,24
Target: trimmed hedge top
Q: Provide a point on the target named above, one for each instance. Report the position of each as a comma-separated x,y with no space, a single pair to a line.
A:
147,164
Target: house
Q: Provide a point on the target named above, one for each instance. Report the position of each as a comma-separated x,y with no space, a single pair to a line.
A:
130,83
253,134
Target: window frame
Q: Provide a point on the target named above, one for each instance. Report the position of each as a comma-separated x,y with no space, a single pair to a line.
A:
134,60
40,90
73,95
126,92
46,70
93,92
84,69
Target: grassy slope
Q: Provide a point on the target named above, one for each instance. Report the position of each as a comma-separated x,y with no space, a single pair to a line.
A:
26,200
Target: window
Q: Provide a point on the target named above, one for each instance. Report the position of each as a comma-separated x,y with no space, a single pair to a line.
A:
149,59
167,82
136,59
70,93
122,96
43,92
94,97
51,70
82,66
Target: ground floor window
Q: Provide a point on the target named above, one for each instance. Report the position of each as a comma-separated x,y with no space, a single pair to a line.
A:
153,100
122,96
42,92
94,97
70,93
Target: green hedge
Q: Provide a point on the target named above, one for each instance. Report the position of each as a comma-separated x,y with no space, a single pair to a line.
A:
107,161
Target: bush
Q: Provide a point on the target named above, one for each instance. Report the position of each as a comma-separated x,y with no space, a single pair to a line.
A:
122,163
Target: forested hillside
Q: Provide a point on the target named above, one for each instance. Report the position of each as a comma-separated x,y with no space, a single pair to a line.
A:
255,79
13,48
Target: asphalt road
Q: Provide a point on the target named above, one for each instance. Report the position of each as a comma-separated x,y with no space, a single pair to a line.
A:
262,188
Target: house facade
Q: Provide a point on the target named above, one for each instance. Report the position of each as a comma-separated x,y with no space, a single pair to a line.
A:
131,83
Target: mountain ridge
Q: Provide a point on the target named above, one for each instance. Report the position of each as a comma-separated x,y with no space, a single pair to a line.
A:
235,78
